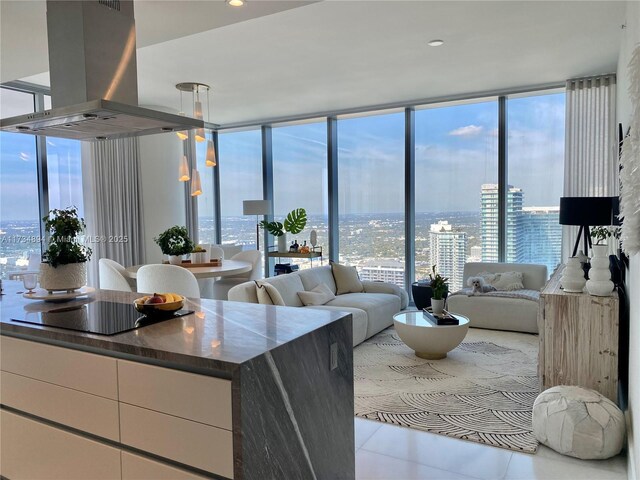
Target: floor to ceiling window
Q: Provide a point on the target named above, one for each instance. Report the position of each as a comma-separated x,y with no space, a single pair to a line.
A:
371,195
19,209
206,220
240,165
456,158
64,174
535,125
300,179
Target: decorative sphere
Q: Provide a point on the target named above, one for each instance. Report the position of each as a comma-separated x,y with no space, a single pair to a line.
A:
578,422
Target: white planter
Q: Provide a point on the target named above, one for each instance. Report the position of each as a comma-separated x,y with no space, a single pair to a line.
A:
175,259
599,283
282,243
437,306
63,277
573,280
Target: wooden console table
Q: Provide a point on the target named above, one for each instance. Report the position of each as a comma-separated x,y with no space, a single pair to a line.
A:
578,339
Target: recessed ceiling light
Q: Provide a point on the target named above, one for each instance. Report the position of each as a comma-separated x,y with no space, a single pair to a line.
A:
435,43
235,3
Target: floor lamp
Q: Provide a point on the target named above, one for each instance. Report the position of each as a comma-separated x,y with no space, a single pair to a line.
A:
257,208
588,212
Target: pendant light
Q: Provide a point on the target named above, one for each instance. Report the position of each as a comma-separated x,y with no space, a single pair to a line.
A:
196,186
210,159
183,171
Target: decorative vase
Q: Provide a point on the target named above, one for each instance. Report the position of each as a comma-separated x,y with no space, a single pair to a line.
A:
69,277
175,259
437,306
282,244
599,283
573,276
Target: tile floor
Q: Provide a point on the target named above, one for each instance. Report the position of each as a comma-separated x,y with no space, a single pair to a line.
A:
385,451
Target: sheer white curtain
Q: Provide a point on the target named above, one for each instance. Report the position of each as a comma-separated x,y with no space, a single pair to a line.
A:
591,158
113,202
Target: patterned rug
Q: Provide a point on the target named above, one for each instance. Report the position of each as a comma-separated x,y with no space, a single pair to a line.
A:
483,391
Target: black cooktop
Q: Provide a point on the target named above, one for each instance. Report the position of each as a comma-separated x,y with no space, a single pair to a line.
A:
99,317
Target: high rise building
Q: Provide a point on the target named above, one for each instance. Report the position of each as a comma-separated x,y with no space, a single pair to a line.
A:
489,221
448,252
383,270
540,238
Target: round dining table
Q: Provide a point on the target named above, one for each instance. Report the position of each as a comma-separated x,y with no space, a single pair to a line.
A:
228,268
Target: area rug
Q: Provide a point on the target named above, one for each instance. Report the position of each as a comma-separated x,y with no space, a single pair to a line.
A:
483,391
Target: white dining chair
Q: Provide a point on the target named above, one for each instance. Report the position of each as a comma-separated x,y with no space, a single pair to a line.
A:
167,279
216,252
113,276
221,287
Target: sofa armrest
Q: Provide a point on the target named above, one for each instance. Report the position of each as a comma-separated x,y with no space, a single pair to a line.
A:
382,287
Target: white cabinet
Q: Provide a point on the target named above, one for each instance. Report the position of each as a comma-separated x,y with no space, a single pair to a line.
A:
136,467
32,450
186,395
192,443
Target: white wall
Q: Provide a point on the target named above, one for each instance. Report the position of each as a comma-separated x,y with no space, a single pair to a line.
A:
630,39
162,194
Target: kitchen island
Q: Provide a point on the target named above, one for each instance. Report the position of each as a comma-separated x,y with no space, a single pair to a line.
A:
233,390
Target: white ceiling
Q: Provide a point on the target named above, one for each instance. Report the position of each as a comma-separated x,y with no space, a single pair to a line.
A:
336,55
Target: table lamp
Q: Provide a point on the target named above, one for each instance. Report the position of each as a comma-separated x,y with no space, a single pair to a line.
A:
588,212
257,208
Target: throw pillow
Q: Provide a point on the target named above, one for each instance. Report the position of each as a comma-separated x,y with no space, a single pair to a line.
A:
488,277
508,281
347,279
268,294
319,295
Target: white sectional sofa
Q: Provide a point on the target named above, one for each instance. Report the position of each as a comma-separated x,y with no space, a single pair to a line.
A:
372,310
515,310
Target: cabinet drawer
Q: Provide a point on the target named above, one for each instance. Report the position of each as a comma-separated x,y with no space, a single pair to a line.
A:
80,410
32,450
195,444
187,395
68,368
136,467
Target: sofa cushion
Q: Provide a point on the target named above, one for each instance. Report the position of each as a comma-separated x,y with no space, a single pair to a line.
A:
380,308
268,294
359,320
508,281
347,279
496,313
318,295
313,277
288,285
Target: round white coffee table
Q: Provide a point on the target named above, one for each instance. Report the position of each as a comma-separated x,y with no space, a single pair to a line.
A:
429,340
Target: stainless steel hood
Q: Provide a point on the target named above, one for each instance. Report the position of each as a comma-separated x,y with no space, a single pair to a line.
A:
92,64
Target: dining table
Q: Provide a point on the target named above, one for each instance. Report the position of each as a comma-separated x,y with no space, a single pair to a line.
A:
228,268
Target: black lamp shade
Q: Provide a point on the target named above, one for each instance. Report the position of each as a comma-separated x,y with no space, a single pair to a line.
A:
589,211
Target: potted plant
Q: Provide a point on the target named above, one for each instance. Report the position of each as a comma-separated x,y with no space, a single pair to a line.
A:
64,262
440,288
175,242
604,265
294,223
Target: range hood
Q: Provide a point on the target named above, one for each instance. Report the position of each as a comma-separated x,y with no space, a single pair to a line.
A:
94,85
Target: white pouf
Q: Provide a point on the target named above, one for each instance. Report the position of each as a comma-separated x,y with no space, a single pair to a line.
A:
578,422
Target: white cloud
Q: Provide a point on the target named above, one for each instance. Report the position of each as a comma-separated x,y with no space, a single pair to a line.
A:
468,131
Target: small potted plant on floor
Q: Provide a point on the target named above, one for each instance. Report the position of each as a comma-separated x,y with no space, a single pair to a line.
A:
175,242
294,223
64,262
440,288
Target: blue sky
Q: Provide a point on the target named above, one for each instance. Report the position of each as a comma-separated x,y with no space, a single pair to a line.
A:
456,151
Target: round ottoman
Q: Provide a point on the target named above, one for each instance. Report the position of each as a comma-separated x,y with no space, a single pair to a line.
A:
578,422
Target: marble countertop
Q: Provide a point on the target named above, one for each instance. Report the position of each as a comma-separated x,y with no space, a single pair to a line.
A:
217,338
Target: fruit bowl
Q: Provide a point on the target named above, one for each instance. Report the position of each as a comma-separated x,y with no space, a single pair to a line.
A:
172,303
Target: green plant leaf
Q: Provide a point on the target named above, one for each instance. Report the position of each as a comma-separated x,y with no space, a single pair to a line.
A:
296,221
274,228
